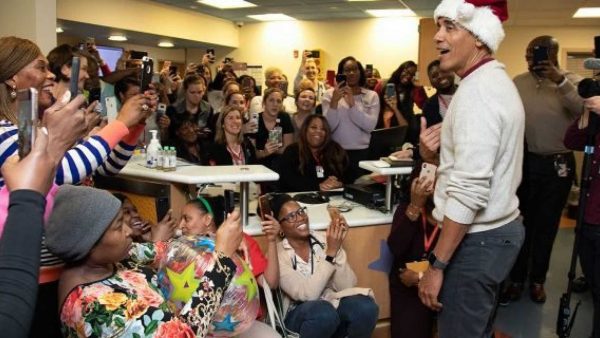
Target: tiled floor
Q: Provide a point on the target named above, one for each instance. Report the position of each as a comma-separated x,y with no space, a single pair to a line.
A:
525,319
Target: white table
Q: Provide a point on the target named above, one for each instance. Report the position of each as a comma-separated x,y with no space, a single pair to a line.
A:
195,174
388,172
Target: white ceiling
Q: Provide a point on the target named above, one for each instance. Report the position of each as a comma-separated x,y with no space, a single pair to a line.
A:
521,12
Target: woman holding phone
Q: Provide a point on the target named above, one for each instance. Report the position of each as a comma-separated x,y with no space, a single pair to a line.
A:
60,64
203,216
352,111
313,271
414,234
315,162
22,65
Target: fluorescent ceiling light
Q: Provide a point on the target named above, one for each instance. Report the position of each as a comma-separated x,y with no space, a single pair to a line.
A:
388,13
271,17
227,4
166,44
59,30
587,12
117,38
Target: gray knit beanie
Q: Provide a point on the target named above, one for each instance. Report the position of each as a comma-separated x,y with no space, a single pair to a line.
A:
79,218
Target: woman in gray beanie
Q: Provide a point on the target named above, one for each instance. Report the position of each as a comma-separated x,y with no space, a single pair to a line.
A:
101,295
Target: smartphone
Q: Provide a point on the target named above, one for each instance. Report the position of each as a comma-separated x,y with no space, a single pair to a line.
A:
162,207
315,54
369,69
28,117
110,103
74,80
211,51
540,53
264,206
173,70
229,201
340,78
137,55
161,110
390,90
428,172
147,73
331,78
228,60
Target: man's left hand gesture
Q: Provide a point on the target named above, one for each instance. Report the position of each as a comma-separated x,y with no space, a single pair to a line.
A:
429,288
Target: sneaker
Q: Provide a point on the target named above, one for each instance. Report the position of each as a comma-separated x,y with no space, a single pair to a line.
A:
580,285
537,293
510,294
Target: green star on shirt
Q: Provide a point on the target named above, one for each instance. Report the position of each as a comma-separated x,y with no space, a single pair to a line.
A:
247,279
184,283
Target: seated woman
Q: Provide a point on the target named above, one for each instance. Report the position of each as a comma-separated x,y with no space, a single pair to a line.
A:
231,147
315,162
318,284
414,233
187,142
100,298
200,217
305,102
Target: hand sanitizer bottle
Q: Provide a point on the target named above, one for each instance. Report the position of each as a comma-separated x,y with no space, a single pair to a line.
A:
152,151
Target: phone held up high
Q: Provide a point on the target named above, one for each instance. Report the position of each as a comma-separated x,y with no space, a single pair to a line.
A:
390,90
540,53
74,80
147,72
264,206
28,117
340,78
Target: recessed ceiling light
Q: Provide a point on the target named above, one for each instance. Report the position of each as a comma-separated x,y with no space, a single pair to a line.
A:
271,17
587,12
387,13
166,44
59,30
117,38
227,4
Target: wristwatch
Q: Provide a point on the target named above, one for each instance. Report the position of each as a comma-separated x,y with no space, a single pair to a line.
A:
435,262
329,259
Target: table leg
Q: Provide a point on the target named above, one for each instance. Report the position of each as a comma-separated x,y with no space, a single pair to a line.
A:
388,193
244,192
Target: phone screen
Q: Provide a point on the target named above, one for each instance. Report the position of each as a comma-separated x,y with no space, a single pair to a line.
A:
74,80
540,53
390,90
340,78
28,110
147,72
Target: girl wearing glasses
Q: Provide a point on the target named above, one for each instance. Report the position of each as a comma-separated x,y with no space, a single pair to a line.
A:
318,284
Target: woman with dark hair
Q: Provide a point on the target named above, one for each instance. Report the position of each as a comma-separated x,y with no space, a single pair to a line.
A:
192,103
398,110
231,147
319,286
249,88
186,141
59,62
315,162
414,234
268,150
352,111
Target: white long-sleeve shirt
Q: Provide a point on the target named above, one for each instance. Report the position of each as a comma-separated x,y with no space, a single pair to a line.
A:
481,151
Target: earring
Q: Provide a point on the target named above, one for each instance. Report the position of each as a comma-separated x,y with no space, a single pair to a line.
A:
281,234
13,93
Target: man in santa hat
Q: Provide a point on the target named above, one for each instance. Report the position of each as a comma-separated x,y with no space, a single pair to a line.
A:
481,154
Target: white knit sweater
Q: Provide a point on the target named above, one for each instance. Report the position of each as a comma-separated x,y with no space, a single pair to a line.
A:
481,151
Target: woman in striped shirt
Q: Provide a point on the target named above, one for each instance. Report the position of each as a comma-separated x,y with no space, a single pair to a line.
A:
22,65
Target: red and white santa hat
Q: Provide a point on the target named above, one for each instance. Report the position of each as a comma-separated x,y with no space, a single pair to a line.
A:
483,18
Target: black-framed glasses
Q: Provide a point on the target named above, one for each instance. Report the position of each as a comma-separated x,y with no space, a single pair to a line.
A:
294,215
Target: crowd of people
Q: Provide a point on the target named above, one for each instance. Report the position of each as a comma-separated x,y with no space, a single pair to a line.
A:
77,261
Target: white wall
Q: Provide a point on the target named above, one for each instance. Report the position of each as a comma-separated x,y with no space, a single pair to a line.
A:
385,43
30,19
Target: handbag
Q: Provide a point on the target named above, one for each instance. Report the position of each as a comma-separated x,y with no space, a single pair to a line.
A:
275,311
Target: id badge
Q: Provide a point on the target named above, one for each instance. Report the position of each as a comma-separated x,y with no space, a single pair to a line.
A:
418,266
560,165
320,171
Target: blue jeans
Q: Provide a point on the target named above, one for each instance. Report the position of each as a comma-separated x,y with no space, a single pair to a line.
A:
355,317
472,280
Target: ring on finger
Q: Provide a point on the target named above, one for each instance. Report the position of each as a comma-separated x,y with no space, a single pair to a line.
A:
145,107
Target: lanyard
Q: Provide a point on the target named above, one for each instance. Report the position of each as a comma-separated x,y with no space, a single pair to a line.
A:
237,157
427,241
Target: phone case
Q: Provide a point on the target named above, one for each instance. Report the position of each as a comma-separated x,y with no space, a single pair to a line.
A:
428,172
264,206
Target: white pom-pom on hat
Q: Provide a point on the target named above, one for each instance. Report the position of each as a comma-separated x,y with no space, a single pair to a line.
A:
465,11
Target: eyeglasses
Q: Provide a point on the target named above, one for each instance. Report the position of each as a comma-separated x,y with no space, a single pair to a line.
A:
294,215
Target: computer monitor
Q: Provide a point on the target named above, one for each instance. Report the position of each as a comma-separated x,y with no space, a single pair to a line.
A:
385,141
110,55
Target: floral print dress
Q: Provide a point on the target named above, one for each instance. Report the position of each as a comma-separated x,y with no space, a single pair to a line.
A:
129,303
